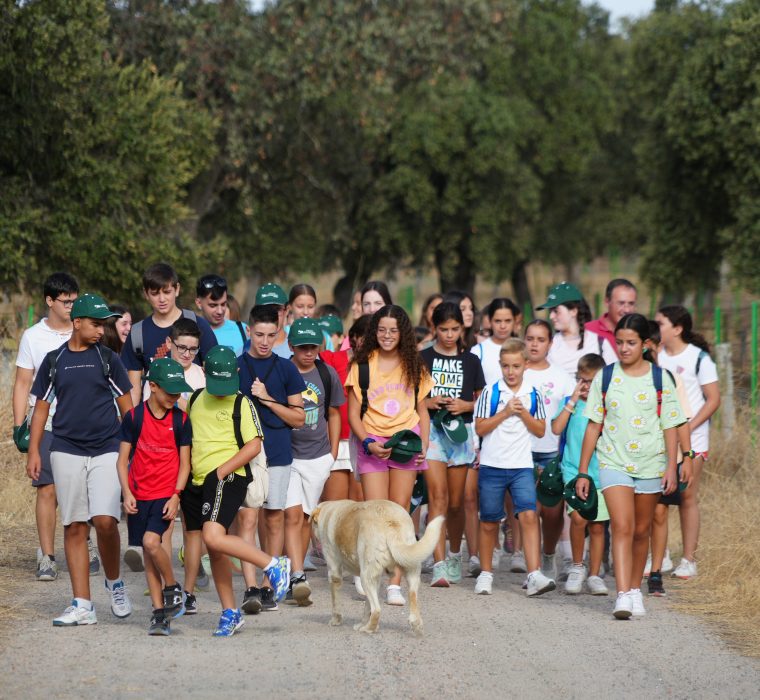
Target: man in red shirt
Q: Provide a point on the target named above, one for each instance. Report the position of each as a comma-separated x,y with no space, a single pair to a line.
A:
620,297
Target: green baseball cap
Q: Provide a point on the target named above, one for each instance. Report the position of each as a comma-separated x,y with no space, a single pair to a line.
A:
332,324
404,445
221,370
453,427
560,294
305,331
91,306
271,293
169,375
549,487
587,509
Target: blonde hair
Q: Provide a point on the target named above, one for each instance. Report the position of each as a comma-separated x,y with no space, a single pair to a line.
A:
514,346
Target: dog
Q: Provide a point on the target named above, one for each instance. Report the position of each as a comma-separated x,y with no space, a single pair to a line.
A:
365,539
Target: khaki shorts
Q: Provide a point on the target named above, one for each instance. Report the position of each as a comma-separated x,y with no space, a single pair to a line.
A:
307,480
86,486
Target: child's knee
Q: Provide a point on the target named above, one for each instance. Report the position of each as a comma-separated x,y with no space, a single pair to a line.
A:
527,518
661,515
151,542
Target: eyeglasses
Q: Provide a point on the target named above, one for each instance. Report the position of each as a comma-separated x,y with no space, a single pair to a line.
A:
387,331
184,350
485,332
213,281
67,302
582,380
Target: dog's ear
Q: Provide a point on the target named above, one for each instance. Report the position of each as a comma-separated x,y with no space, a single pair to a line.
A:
315,515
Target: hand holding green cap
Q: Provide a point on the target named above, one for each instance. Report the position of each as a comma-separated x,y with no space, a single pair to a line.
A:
586,509
404,445
549,487
453,427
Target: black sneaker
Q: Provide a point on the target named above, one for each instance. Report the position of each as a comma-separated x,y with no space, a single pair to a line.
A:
654,582
301,591
159,625
268,603
191,606
251,601
174,601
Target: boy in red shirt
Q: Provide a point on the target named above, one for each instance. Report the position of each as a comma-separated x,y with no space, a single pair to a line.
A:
154,463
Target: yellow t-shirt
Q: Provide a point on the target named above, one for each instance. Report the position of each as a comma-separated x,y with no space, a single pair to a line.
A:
214,434
391,403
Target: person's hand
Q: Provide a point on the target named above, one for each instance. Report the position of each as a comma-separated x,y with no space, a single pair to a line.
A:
687,471
33,465
130,503
516,407
457,407
420,458
669,481
171,507
437,402
377,449
577,392
581,488
259,390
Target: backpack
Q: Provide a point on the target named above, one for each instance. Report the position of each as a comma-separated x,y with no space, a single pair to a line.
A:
136,333
324,375
656,379
702,355
138,416
364,387
106,360
242,331
496,395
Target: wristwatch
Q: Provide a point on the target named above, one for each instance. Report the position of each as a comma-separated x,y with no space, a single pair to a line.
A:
690,453
366,443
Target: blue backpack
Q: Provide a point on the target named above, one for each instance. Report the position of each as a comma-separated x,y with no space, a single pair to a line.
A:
496,395
656,379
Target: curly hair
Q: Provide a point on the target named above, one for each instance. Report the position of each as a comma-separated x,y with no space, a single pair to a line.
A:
413,369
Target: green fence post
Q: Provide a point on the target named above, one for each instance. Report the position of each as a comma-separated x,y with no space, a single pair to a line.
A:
718,329
527,313
30,316
753,375
408,299
597,305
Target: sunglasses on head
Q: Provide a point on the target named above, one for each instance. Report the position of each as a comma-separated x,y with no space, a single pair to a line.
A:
214,282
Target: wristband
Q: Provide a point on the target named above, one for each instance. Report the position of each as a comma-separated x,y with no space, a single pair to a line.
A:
570,403
584,476
366,443
177,492
570,410
690,453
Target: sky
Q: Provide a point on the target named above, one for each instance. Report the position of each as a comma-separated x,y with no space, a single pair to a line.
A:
626,8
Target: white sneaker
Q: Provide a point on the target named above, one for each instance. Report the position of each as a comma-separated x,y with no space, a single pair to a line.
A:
667,563
685,570
538,583
308,565
648,566
548,565
575,579
517,563
563,570
75,615
596,586
393,596
359,587
637,602
484,583
623,606
133,559
120,603
473,567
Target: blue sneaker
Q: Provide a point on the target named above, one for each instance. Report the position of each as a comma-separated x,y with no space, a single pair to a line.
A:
279,577
229,623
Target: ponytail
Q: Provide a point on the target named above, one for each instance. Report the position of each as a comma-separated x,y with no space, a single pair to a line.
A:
680,316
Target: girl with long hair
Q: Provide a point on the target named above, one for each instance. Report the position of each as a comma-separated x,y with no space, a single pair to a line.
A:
374,296
467,306
502,313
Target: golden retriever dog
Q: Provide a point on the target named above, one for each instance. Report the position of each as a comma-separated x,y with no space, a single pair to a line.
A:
365,539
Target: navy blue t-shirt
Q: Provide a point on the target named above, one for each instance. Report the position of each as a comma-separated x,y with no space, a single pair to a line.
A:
282,379
154,344
86,419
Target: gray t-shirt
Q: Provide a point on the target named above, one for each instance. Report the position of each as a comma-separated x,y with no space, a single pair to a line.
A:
312,440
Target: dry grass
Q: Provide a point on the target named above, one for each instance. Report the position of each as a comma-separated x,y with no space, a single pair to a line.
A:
727,590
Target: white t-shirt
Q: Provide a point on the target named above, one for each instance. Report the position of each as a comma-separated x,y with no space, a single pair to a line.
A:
565,353
508,445
488,354
554,384
194,376
36,343
684,365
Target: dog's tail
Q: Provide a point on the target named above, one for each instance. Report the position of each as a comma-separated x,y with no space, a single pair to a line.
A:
409,556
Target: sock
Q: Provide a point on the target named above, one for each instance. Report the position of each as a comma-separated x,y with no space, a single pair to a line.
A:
488,574
564,549
296,574
83,603
110,583
51,557
455,555
174,587
271,564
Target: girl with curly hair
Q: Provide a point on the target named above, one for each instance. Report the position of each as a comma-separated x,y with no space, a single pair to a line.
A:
399,383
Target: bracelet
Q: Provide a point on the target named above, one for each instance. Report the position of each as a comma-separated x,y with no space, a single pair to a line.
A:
366,443
570,403
690,453
177,492
584,476
567,408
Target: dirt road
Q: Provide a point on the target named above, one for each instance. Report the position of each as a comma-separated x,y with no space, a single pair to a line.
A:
474,647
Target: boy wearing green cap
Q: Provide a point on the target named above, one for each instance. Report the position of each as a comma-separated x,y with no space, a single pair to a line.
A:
315,446
154,463
226,437
84,377
273,295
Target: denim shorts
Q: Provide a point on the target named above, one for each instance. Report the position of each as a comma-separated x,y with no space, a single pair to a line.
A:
613,477
493,485
453,454
542,459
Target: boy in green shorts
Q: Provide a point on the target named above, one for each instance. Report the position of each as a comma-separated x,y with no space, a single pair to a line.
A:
222,419
571,421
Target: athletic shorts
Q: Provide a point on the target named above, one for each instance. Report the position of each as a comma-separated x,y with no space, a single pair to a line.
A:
343,461
191,502
307,479
613,477
493,485
222,499
148,518
46,473
369,463
279,480
86,486
452,454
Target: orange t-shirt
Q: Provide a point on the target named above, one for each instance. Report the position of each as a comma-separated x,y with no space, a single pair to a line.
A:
391,402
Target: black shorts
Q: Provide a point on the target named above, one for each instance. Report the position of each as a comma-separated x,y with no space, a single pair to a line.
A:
672,499
46,473
217,502
149,518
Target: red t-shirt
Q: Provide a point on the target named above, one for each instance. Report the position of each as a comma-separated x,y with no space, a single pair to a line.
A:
155,463
602,330
338,360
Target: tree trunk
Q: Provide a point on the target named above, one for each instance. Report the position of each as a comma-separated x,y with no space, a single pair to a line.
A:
354,277
520,284
461,275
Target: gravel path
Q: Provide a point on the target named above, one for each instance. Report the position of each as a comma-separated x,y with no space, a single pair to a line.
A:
474,647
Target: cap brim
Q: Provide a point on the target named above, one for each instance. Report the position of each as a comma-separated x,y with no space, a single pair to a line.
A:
173,386
100,316
299,343
222,387
548,499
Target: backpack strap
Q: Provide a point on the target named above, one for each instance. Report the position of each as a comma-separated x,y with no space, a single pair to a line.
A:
364,386
479,346
563,434
178,422
606,379
657,380
52,360
138,417
495,396
242,331
236,426
700,357
107,362
324,375
192,399
136,334
533,402
600,338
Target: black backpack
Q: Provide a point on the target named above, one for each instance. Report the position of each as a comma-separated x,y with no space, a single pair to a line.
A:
138,417
364,386
136,335
106,360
